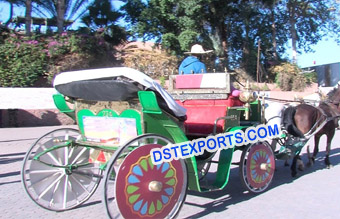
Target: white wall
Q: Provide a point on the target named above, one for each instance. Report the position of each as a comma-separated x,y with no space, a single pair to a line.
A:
27,98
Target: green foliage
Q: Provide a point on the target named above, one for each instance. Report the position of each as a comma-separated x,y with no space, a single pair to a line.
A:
289,77
73,51
102,15
311,77
162,80
22,61
232,28
260,88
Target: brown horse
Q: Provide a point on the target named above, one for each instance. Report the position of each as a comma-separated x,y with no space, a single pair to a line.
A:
311,121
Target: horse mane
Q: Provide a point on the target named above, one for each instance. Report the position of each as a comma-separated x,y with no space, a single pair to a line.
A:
333,93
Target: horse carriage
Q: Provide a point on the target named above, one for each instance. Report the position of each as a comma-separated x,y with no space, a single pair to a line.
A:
122,115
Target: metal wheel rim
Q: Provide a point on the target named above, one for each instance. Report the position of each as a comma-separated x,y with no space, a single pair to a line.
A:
56,188
113,167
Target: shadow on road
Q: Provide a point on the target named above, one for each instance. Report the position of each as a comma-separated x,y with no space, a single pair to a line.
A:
235,193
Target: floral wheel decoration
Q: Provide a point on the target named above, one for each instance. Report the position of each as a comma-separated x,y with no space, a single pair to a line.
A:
147,190
260,166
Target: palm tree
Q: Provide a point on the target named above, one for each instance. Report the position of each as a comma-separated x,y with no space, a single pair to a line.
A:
28,16
60,15
62,10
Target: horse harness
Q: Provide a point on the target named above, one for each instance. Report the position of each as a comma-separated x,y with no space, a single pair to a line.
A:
319,124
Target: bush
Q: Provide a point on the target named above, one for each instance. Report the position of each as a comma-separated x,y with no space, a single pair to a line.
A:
288,77
22,61
72,51
155,64
25,60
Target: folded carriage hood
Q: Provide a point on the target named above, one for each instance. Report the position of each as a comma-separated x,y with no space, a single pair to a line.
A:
102,75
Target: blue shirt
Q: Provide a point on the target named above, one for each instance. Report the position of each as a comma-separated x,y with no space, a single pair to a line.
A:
192,64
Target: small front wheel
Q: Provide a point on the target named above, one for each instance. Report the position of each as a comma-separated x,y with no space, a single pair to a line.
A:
257,167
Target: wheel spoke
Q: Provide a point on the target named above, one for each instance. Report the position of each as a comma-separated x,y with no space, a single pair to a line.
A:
50,186
65,191
80,184
71,152
51,155
54,192
44,179
42,171
79,155
44,182
65,156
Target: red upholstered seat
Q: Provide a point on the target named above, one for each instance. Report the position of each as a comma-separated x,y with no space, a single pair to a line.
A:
201,115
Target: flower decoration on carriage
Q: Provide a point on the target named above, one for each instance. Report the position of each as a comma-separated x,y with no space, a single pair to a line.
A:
145,176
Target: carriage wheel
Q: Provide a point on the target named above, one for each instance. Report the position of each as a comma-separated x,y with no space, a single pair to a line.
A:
136,188
257,167
56,173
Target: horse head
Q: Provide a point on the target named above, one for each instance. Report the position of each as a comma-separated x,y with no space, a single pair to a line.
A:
333,97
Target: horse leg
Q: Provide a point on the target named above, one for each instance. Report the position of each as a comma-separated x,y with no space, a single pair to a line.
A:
316,151
328,149
286,163
293,167
300,164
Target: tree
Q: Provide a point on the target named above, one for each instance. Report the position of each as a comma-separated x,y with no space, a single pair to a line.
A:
60,15
308,22
234,27
102,15
28,17
62,10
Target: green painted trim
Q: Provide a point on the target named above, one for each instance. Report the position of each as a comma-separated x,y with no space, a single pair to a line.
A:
129,113
149,103
60,103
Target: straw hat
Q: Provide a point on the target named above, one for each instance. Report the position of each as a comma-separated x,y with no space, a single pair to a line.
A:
197,49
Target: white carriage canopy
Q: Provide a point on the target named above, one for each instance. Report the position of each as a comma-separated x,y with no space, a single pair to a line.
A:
113,84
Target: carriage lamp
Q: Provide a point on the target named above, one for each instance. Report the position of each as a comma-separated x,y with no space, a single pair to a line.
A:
247,96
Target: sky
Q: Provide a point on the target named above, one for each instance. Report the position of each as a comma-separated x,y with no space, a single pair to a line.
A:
326,51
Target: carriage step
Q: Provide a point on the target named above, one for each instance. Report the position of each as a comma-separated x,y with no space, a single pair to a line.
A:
207,188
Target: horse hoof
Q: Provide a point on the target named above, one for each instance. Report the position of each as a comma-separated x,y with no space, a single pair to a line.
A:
301,166
310,163
329,166
294,174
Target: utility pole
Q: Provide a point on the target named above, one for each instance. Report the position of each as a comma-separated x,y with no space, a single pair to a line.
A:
258,77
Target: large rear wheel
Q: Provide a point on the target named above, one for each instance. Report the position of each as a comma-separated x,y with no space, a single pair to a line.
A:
136,188
257,167
56,172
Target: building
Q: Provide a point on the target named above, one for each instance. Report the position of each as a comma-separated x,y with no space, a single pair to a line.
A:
328,74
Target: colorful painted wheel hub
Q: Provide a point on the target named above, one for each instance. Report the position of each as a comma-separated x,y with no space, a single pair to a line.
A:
260,165
147,190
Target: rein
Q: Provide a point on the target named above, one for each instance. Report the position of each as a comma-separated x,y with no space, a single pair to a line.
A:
326,120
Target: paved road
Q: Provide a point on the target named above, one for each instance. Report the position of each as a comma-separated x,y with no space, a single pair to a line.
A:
315,193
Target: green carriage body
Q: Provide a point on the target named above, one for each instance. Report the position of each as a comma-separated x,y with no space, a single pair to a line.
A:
152,121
